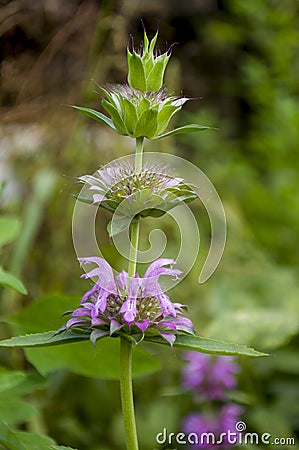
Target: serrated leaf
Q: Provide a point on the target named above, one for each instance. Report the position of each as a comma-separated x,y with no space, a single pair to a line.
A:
191,128
45,339
80,359
206,345
96,115
9,229
10,281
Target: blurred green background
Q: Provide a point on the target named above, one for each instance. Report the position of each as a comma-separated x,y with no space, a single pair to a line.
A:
241,59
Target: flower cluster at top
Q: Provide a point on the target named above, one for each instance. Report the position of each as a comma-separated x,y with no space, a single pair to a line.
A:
142,107
150,192
134,306
210,379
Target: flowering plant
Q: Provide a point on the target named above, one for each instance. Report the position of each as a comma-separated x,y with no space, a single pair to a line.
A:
127,306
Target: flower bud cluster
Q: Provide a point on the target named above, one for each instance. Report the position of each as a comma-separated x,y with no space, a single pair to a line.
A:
145,68
140,114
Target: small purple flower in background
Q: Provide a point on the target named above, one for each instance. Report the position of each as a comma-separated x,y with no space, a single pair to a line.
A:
121,305
209,427
210,376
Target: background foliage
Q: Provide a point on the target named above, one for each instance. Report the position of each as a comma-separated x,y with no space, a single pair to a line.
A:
241,59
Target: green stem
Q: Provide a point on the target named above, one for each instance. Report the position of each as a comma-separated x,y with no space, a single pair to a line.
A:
125,345
134,235
138,154
126,390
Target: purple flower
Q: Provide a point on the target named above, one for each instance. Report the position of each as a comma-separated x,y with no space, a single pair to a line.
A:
210,376
153,191
207,427
129,306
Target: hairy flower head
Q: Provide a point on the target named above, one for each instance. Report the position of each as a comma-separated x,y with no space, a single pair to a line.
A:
152,191
134,306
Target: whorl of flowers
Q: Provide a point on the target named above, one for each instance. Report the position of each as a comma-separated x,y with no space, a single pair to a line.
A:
153,191
134,306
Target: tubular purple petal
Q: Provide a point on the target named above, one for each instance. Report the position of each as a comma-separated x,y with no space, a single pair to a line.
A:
104,273
89,293
129,305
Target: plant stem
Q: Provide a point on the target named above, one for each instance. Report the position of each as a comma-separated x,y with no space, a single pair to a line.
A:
134,235
127,393
138,154
126,345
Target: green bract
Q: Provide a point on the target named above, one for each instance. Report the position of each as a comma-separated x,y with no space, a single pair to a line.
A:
142,108
146,69
139,114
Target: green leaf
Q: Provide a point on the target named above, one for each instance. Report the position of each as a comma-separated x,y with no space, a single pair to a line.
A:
80,359
143,106
206,345
22,440
15,410
9,439
164,116
34,441
130,115
191,128
118,122
10,281
147,124
61,447
9,229
136,76
117,226
154,80
9,379
45,339
96,115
